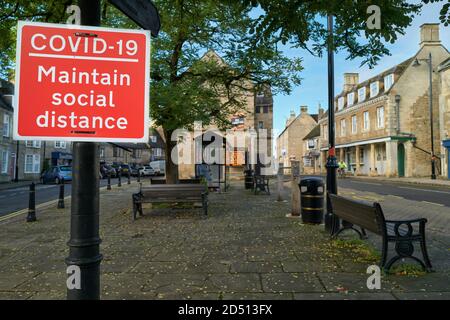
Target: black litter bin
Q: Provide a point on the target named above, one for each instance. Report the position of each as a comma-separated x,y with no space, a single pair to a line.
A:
312,200
248,179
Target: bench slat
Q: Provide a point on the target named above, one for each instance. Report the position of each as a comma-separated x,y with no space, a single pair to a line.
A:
356,212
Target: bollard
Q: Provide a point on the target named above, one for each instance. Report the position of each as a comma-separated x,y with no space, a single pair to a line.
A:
280,182
119,176
129,177
139,176
295,190
61,196
108,187
32,204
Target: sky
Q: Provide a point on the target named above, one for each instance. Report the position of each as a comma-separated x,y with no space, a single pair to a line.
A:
314,90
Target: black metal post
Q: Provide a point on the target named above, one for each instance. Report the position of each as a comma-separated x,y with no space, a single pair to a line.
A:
139,176
331,222
119,179
433,164
129,177
31,217
84,243
108,187
61,196
16,179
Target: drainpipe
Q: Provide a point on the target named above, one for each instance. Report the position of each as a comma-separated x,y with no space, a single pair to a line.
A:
397,105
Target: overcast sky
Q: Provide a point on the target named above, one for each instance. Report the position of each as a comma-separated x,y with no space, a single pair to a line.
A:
314,86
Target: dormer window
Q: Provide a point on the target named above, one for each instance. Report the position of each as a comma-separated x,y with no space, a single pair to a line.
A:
374,89
341,103
350,99
388,81
361,94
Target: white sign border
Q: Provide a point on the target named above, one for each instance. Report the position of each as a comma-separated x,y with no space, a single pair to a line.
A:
146,33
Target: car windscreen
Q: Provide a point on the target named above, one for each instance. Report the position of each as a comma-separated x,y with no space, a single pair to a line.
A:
65,168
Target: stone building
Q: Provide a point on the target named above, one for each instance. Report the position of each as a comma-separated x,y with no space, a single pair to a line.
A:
256,113
311,152
290,144
444,119
7,145
383,124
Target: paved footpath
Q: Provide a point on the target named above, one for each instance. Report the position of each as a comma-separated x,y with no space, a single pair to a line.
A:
245,249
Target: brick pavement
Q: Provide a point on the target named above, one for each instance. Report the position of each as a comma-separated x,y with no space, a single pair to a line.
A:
245,249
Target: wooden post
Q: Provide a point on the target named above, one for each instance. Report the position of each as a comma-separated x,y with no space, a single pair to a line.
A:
295,190
280,181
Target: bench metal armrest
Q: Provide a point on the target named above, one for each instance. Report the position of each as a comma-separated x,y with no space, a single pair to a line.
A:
399,222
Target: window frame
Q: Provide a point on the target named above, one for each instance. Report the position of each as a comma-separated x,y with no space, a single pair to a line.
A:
372,92
35,163
380,117
6,125
360,90
341,103
343,128
4,162
389,77
366,122
350,102
354,124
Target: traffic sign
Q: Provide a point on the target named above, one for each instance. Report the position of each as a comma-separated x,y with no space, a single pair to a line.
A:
142,12
81,83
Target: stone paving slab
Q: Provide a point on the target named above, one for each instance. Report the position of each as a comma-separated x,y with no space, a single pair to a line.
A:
245,249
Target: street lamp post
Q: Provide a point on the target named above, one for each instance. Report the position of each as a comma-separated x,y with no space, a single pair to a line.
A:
331,222
429,61
84,243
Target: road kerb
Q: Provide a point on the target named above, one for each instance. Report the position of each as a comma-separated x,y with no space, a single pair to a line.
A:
42,205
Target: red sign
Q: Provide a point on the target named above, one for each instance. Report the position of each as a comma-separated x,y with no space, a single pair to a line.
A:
81,83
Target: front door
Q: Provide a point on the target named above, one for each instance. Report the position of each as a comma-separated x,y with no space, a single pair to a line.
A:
401,160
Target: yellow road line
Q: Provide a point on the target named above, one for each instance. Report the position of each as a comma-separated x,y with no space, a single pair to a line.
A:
42,205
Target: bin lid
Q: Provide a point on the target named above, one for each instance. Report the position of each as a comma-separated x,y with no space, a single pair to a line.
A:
311,181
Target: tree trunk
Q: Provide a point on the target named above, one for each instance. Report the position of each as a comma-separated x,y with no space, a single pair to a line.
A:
171,168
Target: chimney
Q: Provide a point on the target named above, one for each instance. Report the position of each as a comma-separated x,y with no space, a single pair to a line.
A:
303,109
321,111
350,80
291,118
429,34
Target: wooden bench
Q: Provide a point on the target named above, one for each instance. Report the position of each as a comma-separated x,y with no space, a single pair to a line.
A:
170,193
261,183
370,217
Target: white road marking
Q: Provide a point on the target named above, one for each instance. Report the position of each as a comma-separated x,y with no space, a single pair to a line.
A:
427,190
372,183
433,203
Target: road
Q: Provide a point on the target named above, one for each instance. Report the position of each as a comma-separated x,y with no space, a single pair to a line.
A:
433,195
12,200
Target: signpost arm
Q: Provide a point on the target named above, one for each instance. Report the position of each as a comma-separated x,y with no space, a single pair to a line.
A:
84,243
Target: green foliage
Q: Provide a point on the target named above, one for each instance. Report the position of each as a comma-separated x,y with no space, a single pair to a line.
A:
303,24
405,269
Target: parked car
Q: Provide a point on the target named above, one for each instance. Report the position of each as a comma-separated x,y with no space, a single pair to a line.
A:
118,168
159,166
125,169
135,171
106,169
57,174
147,171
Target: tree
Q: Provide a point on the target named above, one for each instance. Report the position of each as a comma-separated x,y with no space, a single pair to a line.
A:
302,23
184,87
187,88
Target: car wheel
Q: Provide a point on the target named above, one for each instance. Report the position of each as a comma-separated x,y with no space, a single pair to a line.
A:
57,181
